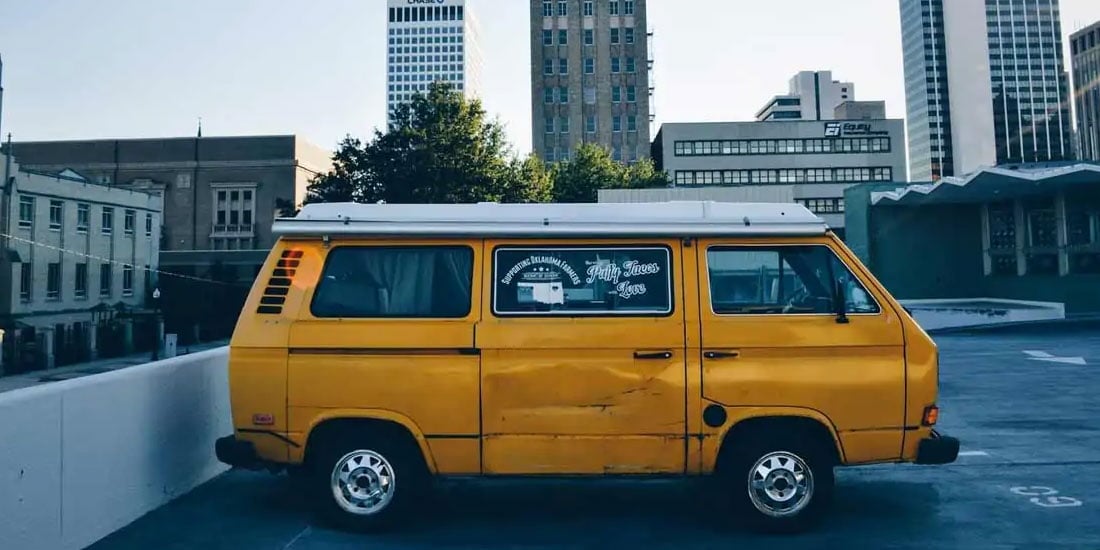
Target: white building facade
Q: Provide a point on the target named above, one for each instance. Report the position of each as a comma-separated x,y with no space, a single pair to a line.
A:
76,254
986,84
813,95
808,162
430,41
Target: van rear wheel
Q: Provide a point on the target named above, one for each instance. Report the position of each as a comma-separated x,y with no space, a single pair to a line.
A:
780,484
365,483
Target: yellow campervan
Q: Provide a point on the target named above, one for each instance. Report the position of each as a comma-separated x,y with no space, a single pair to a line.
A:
383,345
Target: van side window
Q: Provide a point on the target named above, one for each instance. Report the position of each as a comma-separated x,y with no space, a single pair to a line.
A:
781,280
579,281
417,282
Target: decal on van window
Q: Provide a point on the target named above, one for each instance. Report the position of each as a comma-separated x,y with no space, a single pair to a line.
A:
582,281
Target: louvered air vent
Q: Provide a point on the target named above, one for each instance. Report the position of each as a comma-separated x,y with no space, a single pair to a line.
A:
271,303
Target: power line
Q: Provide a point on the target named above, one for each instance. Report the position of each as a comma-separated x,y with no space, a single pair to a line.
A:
146,269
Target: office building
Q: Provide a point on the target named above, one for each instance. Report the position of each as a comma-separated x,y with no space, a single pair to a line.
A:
75,253
813,95
985,84
590,77
1085,48
430,41
808,162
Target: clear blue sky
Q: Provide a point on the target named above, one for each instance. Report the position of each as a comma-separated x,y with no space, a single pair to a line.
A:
133,68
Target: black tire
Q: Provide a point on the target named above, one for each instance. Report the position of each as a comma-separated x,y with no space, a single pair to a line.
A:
366,458
786,457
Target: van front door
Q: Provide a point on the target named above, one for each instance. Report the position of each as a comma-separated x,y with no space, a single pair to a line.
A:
772,339
583,358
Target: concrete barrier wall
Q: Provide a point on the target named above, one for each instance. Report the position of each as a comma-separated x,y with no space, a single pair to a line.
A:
83,458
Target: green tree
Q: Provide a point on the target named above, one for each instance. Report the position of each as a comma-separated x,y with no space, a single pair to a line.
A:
440,148
591,168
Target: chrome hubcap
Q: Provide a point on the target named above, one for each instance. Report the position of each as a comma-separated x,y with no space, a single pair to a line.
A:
363,482
780,484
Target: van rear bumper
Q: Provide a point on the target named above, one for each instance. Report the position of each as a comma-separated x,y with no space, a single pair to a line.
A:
236,453
938,449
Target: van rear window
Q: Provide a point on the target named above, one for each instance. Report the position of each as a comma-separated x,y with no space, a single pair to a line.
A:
578,281
413,282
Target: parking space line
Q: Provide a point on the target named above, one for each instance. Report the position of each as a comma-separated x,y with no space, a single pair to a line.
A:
973,453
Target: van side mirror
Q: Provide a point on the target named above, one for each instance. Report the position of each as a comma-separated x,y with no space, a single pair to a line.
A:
840,302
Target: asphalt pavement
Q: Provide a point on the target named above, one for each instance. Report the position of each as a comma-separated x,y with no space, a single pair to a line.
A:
1024,403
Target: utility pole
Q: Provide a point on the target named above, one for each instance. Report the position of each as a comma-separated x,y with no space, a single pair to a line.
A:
5,255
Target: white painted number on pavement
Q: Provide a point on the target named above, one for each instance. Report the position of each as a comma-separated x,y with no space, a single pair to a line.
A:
1036,355
1044,497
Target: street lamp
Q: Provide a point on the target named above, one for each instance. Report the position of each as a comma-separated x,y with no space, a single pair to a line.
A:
156,320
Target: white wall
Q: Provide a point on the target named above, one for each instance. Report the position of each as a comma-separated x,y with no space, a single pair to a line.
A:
83,458
970,87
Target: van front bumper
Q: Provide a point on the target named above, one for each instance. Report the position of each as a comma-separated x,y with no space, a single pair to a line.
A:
938,449
236,453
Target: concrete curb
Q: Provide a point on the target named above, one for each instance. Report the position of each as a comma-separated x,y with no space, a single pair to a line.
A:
1071,323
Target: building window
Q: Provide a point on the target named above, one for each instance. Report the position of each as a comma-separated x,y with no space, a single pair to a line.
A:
614,7
563,66
617,153
588,9
629,35
233,210
589,37
83,215
26,212
395,282
563,9
616,94
628,7
148,225
551,153
589,65
616,123
26,278
630,67
548,66
80,285
548,95
631,123
563,125
107,220
616,66
824,206
128,222
56,214
563,95
549,125
105,280
590,124
563,37
127,280
590,95
547,37
547,9
53,281
614,36
1083,234
631,94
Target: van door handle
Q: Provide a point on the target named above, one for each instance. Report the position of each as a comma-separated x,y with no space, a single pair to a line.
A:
721,354
653,355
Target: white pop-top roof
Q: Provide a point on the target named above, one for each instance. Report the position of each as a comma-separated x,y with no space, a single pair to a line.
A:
566,220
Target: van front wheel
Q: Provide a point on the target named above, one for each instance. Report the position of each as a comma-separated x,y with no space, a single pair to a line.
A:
365,485
781,486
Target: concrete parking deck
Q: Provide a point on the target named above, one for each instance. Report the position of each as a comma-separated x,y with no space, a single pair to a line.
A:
1024,402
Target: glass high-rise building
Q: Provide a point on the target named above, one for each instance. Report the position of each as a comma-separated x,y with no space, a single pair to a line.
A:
430,41
1085,49
985,84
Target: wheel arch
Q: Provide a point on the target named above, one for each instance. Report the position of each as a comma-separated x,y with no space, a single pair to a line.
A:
377,421
803,421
